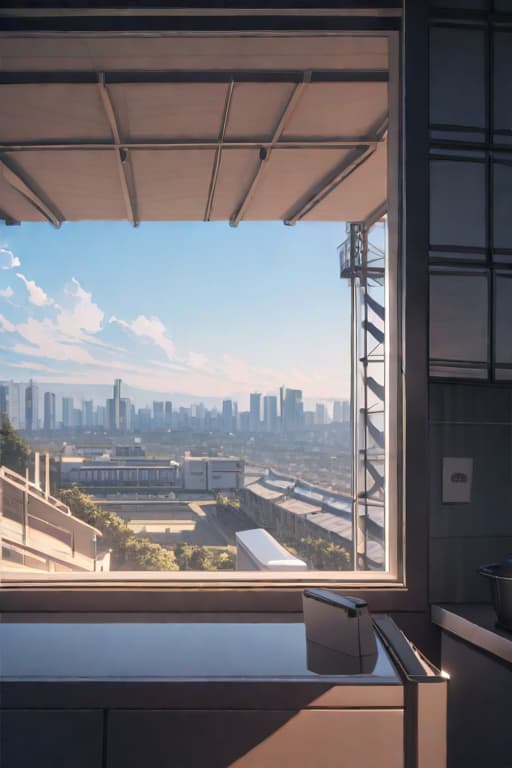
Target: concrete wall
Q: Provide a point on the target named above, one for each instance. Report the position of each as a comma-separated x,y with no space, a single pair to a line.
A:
469,420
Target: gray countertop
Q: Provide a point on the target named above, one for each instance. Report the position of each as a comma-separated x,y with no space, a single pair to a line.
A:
476,624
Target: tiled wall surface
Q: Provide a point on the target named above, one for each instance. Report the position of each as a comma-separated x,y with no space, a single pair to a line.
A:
472,421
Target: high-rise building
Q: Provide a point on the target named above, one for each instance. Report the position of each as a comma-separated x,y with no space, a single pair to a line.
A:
346,411
32,407
88,414
125,415
101,415
168,414
4,399
76,420
270,413
49,420
244,421
337,411
116,406
293,415
254,412
158,414
16,404
67,412
320,414
227,416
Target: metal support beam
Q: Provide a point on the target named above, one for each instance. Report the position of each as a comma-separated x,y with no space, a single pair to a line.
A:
23,187
267,151
218,151
194,76
8,220
335,143
123,165
336,177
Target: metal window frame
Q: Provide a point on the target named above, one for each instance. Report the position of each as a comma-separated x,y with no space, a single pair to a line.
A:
409,591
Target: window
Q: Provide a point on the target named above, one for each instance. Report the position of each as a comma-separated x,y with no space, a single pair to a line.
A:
213,379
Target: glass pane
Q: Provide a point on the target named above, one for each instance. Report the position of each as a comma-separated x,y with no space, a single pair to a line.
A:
502,206
457,85
503,319
457,203
458,317
458,372
502,83
503,374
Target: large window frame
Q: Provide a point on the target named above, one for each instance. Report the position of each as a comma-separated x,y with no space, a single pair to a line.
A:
401,587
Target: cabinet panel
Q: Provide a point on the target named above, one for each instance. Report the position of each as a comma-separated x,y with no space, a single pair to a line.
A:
51,738
243,739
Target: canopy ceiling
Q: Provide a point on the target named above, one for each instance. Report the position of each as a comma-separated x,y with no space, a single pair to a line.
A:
193,128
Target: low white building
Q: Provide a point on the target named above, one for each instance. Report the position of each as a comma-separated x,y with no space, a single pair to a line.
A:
207,473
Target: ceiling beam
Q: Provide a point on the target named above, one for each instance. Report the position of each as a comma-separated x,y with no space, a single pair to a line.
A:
218,151
206,144
8,220
122,161
266,152
336,177
194,76
14,179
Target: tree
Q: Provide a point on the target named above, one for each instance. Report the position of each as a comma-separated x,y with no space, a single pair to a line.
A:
129,553
14,452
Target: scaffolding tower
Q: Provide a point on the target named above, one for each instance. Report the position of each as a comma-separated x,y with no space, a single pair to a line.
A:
362,263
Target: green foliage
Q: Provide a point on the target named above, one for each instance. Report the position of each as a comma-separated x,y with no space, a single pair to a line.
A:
192,557
14,451
321,554
129,553
222,501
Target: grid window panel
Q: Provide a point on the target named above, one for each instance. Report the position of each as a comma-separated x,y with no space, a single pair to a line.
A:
457,77
502,206
502,66
459,312
503,319
458,203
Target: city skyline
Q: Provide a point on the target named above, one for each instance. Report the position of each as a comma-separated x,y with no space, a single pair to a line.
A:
128,310
34,408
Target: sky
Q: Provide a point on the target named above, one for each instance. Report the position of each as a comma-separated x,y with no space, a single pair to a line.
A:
202,309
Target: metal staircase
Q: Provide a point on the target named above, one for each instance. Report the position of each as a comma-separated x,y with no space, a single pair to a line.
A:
362,263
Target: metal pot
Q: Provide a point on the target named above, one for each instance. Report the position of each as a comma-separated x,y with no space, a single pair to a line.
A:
500,576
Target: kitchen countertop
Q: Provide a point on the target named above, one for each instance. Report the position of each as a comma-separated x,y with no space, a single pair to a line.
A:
476,624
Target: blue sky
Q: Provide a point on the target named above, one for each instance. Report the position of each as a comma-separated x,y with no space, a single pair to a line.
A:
203,309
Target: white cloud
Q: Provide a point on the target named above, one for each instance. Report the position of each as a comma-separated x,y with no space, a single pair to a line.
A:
6,293
7,259
6,325
149,328
197,360
36,295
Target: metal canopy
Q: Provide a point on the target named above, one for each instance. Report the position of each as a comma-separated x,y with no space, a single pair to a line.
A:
89,142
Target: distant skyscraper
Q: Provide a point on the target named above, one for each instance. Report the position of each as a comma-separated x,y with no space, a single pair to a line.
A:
244,421
320,415
67,412
101,415
49,411
293,410
168,414
346,411
255,412
227,416
270,413
32,407
88,414
4,399
158,414
125,415
76,419
337,411
116,426
16,404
